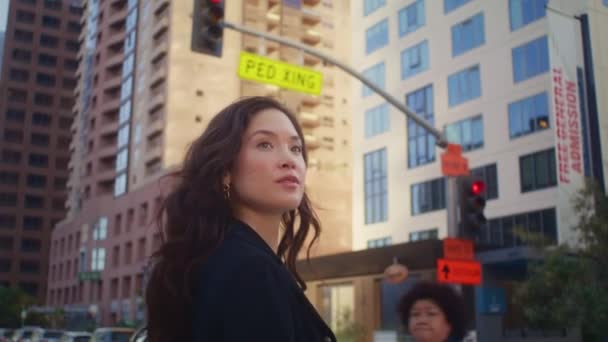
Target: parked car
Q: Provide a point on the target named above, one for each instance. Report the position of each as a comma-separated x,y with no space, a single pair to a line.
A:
112,334
76,336
25,334
47,335
5,334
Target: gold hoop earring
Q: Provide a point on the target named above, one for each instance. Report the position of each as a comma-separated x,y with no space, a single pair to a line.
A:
226,192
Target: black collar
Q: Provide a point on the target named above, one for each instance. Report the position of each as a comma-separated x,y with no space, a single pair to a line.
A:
243,231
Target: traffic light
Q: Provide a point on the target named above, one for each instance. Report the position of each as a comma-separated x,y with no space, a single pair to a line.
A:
207,29
472,202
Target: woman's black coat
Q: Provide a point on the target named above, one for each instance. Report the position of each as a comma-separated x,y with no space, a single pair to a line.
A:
244,292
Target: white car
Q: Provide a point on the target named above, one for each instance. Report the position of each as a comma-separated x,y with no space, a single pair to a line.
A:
76,336
47,335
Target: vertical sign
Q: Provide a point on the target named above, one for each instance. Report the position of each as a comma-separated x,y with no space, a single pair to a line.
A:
565,55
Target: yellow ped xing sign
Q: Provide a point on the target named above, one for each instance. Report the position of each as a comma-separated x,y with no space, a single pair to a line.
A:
265,70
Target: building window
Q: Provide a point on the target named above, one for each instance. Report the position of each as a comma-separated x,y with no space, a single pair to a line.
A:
421,143
468,133
529,115
377,120
41,119
34,202
25,17
52,4
8,221
100,230
376,36
414,60
31,245
45,80
411,18
537,170
98,259
72,46
450,5
6,243
120,185
52,22
36,181
17,95
468,35
38,160
43,99
24,36
70,64
5,265
47,60
382,242
30,267
28,2
13,136
530,59
49,41
9,178
19,75
371,5
38,139
73,27
32,223
376,74
15,115
464,86
429,234
489,175
22,56
499,231
11,157
69,83
375,186
428,196
524,12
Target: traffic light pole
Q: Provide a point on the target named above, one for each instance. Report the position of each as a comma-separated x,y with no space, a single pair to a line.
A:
440,139
452,206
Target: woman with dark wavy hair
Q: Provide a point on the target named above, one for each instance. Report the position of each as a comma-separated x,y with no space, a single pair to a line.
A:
232,228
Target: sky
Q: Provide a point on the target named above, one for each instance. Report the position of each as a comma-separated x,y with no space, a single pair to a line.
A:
3,14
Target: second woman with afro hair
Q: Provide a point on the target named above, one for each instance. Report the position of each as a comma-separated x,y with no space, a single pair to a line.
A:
433,312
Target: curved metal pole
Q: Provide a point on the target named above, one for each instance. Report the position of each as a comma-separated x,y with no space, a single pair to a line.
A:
440,139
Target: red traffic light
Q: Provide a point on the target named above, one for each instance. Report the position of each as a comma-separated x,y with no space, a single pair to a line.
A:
216,1
478,187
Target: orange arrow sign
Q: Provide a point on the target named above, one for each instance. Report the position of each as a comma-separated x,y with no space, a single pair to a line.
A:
459,271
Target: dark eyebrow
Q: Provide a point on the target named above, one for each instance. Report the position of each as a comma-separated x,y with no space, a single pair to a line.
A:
271,133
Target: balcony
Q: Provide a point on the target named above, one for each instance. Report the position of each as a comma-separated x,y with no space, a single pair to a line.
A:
108,149
113,59
310,16
160,5
110,103
311,100
157,99
161,26
311,37
159,72
310,120
159,48
272,19
155,124
116,39
310,60
312,142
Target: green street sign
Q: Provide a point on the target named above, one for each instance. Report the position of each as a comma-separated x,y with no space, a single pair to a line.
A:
92,275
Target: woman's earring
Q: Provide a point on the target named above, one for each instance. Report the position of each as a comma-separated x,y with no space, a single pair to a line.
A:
227,191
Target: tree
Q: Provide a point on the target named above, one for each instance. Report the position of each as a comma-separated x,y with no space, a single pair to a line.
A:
568,287
12,301
346,329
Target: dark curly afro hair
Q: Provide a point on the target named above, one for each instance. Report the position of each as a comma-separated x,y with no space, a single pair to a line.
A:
451,303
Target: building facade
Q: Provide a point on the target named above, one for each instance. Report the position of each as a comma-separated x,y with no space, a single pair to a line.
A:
36,98
143,97
481,73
